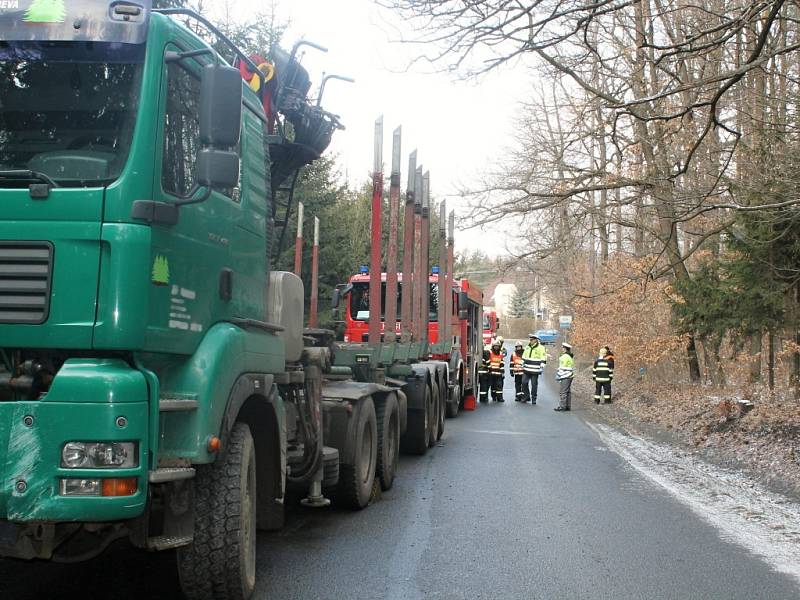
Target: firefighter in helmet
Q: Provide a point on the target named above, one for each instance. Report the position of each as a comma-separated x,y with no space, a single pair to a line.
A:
483,374
496,371
515,369
502,342
603,374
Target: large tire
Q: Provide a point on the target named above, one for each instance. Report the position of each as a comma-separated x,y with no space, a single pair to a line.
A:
415,440
454,401
388,440
435,404
442,399
220,564
356,479
330,467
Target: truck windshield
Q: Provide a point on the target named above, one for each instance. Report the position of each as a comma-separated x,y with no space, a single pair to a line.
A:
67,109
359,301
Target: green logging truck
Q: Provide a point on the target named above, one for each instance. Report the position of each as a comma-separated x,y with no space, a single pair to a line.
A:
156,382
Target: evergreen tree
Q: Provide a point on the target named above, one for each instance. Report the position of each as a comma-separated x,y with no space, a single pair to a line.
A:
520,304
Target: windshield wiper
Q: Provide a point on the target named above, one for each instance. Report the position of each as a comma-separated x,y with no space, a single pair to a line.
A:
28,174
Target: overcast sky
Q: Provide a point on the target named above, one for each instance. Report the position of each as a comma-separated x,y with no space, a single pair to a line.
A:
458,127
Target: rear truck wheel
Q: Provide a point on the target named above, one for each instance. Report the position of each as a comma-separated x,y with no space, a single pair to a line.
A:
415,440
442,400
388,440
356,480
220,564
433,435
330,467
454,401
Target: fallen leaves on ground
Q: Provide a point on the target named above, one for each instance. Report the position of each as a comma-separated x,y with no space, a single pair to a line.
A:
761,433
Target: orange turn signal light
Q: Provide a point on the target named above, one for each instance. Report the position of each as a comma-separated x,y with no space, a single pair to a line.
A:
120,487
213,444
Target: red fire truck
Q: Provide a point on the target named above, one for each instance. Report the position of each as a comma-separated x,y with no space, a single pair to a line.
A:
490,326
466,322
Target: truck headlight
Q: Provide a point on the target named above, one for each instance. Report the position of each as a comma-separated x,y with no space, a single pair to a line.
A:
99,455
128,486
81,487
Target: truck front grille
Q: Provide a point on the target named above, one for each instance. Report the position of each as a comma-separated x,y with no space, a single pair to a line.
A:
25,269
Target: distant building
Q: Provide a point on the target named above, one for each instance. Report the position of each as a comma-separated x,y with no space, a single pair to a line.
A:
499,293
501,297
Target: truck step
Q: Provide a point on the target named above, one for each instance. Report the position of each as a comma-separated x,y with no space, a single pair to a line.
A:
166,542
176,404
170,474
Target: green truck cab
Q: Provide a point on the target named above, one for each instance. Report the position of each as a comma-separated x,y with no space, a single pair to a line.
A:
154,383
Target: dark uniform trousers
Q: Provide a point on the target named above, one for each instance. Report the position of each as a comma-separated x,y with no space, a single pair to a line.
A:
603,373
496,376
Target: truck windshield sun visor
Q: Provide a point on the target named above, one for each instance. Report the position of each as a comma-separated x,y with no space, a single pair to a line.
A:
123,21
68,110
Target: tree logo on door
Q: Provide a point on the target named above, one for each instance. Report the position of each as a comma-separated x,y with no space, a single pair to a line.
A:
45,11
160,275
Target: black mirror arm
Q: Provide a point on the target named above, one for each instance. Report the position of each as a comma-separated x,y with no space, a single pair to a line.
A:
190,198
171,56
221,36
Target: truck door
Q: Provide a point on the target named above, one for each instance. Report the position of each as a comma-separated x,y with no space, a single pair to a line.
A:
253,218
189,259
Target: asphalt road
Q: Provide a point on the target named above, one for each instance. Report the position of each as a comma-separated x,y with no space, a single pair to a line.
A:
516,502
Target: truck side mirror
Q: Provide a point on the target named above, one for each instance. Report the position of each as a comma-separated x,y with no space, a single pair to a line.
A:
220,126
339,292
220,106
217,168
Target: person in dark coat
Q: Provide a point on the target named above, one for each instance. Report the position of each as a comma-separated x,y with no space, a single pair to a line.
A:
603,374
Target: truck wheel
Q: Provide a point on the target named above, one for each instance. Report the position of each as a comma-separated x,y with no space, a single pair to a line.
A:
435,412
388,440
453,401
330,467
415,440
220,563
355,480
442,399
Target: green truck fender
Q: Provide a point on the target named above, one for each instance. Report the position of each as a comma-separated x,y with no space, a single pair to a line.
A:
230,366
254,400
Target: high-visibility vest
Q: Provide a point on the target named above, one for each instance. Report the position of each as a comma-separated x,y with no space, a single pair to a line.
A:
496,363
566,367
603,370
534,359
516,364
